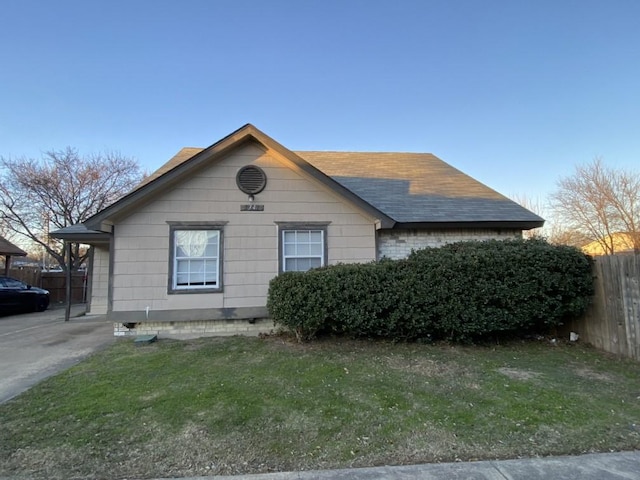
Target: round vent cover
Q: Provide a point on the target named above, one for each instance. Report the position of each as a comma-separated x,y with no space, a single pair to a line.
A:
251,179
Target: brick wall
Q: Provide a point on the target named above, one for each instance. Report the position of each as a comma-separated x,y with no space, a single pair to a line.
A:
396,244
193,329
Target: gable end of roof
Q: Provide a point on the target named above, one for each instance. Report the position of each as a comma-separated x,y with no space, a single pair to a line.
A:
182,164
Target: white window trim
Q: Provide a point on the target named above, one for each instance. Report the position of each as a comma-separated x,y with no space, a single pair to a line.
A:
284,227
175,228
286,257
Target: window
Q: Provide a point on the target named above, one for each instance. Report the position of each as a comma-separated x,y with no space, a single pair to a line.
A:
8,282
195,259
302,249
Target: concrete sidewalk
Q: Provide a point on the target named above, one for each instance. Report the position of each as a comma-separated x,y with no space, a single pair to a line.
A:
598,466
34,346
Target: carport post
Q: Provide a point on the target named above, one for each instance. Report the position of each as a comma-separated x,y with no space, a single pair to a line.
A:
7,264
67,312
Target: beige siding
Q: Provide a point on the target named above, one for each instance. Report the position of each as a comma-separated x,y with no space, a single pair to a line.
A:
141,267
99,281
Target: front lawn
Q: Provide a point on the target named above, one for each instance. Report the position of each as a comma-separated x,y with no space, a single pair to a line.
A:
246,405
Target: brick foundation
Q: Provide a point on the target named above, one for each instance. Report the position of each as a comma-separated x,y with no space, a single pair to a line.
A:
191,329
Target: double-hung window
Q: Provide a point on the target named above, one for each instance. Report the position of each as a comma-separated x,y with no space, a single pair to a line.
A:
195,259
302,248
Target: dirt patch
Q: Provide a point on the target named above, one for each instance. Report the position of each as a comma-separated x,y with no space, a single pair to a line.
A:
518,374
151,396
587,373
285,341
195,344
423,366
193,347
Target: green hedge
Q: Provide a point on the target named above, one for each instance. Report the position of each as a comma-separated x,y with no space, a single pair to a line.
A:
460,292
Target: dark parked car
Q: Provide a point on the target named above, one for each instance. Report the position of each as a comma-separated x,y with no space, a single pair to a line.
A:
16,296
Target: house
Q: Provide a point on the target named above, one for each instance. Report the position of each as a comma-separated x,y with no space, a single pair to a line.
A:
619,242
192,249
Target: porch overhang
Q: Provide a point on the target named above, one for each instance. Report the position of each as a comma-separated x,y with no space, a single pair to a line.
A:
8,250
81,234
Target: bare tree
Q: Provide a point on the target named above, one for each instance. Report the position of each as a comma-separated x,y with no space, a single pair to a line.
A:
560,235
4,231
536,206
598,202
554,231
62,189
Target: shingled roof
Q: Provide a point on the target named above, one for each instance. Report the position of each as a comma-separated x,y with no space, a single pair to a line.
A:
8,248
400,190
418,188
410,188
183,155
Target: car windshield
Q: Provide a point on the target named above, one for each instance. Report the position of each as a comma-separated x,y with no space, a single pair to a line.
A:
11,283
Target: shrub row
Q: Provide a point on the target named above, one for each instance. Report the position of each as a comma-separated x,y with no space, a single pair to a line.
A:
460,292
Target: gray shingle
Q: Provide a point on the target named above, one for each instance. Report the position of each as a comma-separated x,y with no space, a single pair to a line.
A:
8,248
417,187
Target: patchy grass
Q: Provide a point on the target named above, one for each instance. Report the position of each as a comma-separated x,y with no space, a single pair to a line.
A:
245,405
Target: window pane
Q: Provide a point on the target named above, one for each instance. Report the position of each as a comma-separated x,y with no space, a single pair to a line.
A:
289,249
196,266
211,249
11,283
315,262
297,264
196,278
211,272
196,255
315,249
303,249
182,266
303,264
191,242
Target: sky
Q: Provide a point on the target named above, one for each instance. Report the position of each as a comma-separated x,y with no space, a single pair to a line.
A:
514,93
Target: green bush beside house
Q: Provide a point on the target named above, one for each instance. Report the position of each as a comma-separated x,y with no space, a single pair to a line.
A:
459,292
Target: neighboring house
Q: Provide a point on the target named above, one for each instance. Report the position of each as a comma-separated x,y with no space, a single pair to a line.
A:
8,250
619,242
192,249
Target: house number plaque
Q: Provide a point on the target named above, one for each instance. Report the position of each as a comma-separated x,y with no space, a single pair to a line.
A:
252,207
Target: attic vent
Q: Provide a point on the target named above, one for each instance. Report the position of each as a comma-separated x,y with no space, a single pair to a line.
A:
251,179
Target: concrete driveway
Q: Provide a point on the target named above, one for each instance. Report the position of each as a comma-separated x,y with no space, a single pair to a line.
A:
34,346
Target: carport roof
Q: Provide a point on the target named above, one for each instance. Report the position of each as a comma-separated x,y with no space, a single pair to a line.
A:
81,234
8,248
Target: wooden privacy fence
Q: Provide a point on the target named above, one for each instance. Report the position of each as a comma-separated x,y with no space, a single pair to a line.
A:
55,282
612,323
32,276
